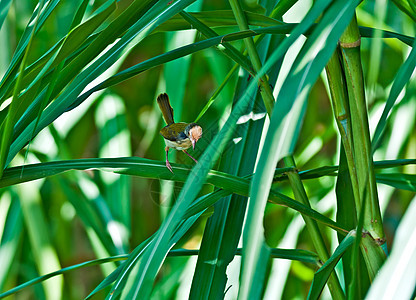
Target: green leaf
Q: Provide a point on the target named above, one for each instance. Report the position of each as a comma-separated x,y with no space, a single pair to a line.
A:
154,169
192,48
356,268
285,122
398,180
216,18
404,6
229,50
4,9
402,78
106,282
63,50
33,26
397,279
292,254
44,254
321,276
138,253
63,271
139,284
347,216
66,97
223,229
11,233
7,131
79,15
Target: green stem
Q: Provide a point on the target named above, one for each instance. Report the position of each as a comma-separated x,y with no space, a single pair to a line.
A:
312,226
339,102
350,49
265,90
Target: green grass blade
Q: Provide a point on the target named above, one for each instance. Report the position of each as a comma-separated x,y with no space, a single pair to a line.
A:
81,32
355,266
285,121
406,8
7,130
397,279
186,50
225,18
398,180
140,252
217,92
11,233
402,78
265,89
229,50
45,256
33,26
139,284
174,54
330,170
370,32
216,18
223,229
62,271
135,166
311,225
292,254
156,15
79,15
61,51
153,169
322,275
393,163
346,211
4,9
106,282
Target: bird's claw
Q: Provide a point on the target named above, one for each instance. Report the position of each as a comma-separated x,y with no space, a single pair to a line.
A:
169,166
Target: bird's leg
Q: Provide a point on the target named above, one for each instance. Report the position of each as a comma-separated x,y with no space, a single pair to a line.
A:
167,160
190,156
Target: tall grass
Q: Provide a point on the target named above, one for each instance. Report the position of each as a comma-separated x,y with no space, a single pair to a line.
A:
306,165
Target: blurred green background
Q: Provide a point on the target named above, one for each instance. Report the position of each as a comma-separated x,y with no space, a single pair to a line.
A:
83,215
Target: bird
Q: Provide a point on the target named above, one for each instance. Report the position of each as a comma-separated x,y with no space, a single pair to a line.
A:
179,136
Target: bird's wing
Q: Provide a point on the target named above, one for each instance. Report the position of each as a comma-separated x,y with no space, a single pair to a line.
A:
174,132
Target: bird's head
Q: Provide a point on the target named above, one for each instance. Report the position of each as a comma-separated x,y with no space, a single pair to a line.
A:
194,132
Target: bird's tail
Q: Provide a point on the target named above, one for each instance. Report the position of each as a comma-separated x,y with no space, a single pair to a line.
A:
166,108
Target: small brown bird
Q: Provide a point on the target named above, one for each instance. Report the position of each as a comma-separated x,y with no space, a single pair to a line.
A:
181,135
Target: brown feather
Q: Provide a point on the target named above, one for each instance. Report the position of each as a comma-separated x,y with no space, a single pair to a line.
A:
166,108
174,132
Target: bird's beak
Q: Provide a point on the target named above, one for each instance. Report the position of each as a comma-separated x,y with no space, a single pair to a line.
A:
193,144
